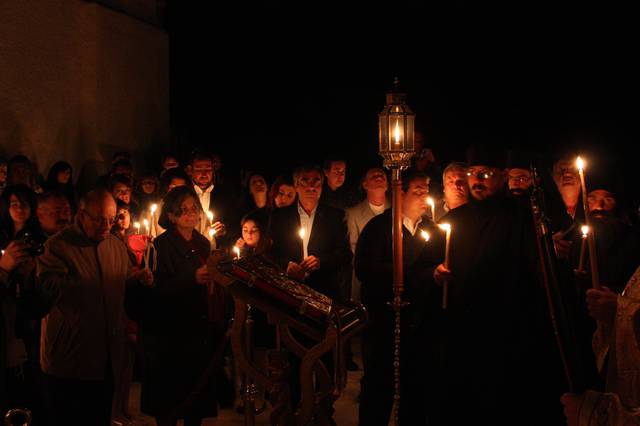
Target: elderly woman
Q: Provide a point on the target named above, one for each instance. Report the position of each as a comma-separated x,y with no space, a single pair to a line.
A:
181,319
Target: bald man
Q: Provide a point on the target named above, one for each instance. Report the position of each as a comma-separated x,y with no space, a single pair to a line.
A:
82,274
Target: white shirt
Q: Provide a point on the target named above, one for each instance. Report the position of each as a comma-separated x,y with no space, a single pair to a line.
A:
306,222
412,228
377,209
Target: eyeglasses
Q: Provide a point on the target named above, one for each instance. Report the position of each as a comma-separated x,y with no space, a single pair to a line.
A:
109,221
480,174
190,210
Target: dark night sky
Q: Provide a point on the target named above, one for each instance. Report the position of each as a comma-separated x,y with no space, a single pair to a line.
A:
267,88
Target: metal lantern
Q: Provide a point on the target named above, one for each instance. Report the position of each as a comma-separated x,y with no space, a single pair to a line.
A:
396,124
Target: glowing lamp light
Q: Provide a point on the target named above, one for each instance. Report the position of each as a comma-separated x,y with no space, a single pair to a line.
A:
396,130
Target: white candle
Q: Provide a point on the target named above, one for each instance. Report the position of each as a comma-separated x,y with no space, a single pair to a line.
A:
593,260
152,211
583,246
445,288
432,204
447,228
301,233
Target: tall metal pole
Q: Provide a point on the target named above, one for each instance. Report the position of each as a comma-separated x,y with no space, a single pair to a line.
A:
398,284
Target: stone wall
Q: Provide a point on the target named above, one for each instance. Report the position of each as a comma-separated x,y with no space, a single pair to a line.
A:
79,81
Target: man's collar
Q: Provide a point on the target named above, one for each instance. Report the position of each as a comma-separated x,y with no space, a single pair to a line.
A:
301,210
200,191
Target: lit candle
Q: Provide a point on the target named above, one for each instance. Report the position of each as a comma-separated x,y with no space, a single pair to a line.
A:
3,252
396,133
425,235
212,232
146,227
593,260
152,219
583,246
301,233
445,288
236,250
432,204
137,226
210,217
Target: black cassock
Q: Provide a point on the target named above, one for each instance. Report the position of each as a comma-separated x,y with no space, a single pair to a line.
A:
501,364
420,319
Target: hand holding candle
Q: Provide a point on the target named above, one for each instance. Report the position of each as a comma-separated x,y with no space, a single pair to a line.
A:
445,288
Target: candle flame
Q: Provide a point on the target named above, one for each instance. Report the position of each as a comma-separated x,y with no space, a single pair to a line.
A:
430,201
580,164
585,231
210,215
3,252
425,235
302,232
396,133
236,250
137,225
153,208
212,232
146,223
445,227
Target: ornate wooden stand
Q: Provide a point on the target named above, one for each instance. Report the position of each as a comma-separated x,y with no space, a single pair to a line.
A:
318,388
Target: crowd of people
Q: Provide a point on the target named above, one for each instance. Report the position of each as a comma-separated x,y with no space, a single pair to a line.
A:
99,286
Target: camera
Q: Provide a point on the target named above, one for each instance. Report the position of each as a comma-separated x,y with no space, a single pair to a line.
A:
35,248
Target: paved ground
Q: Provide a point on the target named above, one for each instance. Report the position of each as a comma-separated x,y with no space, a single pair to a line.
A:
346,406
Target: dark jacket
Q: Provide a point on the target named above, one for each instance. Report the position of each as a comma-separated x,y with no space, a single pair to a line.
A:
328,241
177,337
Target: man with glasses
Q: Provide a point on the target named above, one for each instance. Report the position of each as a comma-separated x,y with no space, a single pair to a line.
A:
495,318
82,276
